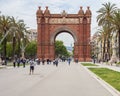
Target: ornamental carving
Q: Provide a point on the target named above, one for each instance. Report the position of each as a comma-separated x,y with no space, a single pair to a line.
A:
64,21
46,20
64,14
88,20
81,20
38,20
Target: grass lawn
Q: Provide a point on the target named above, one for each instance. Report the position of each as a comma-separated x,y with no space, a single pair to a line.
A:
110,76
88,64
11,64
0,67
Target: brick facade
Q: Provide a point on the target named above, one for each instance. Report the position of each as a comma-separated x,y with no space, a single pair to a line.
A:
50,25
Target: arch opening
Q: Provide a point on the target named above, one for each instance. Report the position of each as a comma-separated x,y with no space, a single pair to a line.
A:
61,30
68,31
67,42
66,37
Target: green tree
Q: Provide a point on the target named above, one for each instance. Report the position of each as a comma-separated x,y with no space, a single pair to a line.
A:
5,26
60,49
21,37
12,30
9,50
116,25
102,37
104,15
31,49
14,34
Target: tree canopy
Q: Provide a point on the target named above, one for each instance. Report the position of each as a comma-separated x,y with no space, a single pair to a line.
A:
60,49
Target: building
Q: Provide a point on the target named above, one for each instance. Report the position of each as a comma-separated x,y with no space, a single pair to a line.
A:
50,25
32,35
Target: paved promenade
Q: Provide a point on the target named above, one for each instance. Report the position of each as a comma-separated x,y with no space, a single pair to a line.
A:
49,80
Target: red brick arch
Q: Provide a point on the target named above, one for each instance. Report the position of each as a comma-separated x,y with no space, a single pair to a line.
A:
50,25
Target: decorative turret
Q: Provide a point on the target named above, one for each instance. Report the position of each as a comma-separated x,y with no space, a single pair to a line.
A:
88,15
81,12
47,12
39,12
88,12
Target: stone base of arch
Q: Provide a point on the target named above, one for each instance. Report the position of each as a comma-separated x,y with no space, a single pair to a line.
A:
50,54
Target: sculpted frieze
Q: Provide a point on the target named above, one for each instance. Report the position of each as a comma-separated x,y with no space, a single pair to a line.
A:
64,21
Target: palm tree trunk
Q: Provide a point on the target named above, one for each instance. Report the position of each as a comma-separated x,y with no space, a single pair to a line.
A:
108,49
108,41
119,42
19,50
103,49
13,47
4,49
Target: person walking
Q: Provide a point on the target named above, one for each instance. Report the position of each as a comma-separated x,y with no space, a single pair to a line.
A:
56,62
14,63
69,60
32,64
24,61
18,62
43,62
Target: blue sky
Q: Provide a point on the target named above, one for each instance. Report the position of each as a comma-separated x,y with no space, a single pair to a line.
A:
26,9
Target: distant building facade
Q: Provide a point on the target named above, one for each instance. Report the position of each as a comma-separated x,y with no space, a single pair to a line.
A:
32,35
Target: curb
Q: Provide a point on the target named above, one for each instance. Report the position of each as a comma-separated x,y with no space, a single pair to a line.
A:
111,89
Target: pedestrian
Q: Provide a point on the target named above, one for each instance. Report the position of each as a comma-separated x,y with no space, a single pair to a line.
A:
56,62
76,60
69,60
18,62
38,61
32,64
23,61
53,62
47,61
14,63
43,62
94,60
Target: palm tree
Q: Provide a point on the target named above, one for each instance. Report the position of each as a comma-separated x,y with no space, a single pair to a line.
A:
103,19
116,25
13,35
102,34
21,30
5,26
14,30
16,33
105,13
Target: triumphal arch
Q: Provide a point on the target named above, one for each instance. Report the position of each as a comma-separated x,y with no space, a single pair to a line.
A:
50,25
